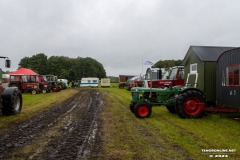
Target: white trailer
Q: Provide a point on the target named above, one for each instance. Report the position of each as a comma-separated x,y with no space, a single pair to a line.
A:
89,82
105,82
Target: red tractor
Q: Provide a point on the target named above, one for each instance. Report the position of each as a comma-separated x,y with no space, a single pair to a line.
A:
30,83
25,83
174,77
134,82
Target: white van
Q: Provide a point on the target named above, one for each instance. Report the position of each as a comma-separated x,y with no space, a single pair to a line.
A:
89,82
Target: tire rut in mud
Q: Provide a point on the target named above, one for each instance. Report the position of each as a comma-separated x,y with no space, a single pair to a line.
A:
62,132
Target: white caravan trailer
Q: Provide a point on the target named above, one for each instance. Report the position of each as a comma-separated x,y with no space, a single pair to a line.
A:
89,82
105,82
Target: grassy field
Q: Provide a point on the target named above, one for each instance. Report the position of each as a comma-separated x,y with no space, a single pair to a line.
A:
161,136
164,135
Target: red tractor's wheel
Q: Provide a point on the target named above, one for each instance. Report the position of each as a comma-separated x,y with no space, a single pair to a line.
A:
54,89
33,91
44,90
192,107
142,110
190,104
121,86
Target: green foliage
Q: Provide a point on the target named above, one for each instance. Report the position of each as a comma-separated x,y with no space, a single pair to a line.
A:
114,79
167,63
59,65
37,63
64,67
88,67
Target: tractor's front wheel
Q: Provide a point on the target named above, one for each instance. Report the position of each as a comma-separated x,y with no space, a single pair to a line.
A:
190,104
121,86
54,89
34,91
142,110
44,90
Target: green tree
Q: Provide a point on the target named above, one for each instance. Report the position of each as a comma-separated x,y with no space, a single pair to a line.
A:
167,63
25,62
37,62
64,67
88,67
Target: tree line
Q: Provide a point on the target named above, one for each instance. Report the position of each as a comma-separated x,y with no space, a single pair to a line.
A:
64,67
167,63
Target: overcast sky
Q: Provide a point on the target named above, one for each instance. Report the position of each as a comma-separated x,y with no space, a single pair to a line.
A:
117,33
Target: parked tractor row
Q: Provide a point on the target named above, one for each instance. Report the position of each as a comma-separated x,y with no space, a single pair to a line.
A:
35,83
217,91
172,77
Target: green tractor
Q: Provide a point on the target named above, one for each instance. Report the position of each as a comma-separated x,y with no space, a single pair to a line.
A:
186,102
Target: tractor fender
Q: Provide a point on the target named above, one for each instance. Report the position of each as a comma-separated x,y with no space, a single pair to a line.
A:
187,89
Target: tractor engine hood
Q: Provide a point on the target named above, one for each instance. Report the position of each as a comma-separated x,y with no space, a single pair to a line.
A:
141,89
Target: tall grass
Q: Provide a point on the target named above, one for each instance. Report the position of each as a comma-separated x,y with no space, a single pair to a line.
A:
163,135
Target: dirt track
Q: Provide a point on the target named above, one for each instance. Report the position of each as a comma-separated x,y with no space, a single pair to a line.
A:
66,131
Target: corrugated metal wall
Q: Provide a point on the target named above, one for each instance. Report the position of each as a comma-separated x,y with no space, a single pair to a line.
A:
227,96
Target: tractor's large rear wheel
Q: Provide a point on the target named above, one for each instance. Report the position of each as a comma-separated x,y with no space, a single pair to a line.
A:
131,106
190,104
11,101
171,109
142,110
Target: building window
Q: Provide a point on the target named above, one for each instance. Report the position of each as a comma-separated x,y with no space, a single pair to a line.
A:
193,68
223,79
233,75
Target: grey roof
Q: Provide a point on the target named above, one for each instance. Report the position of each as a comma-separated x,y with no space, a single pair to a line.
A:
206,53
127,75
